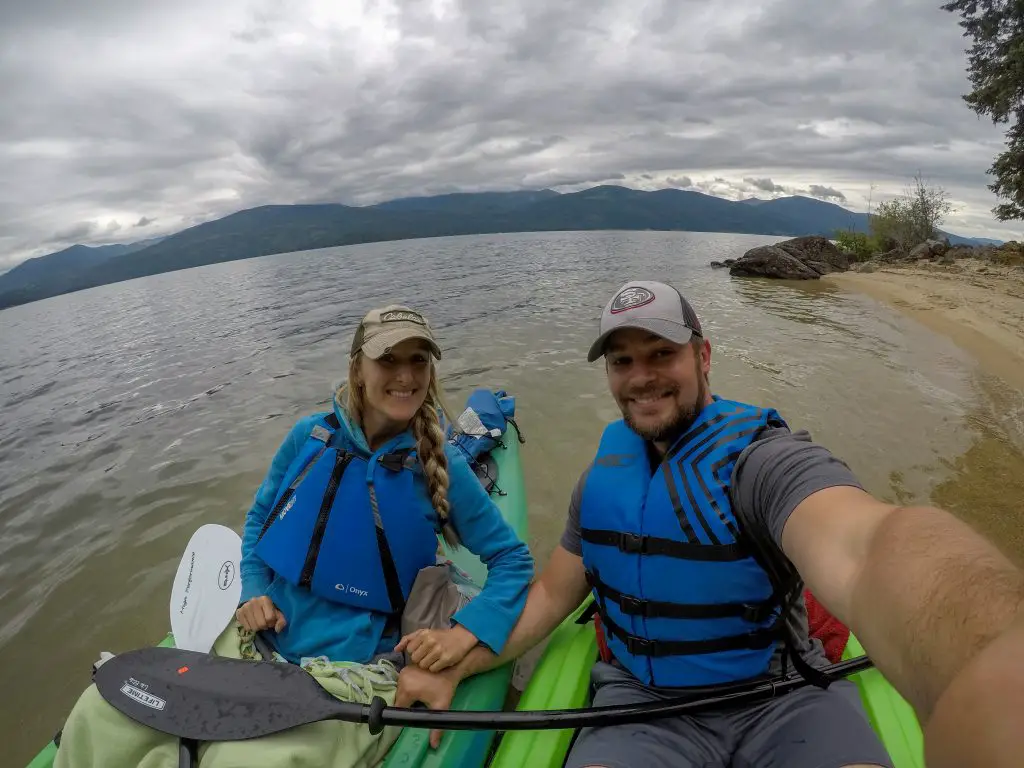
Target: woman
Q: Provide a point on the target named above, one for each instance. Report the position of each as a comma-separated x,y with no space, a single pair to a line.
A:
346,517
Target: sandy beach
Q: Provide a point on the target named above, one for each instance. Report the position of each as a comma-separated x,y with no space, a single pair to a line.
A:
979,306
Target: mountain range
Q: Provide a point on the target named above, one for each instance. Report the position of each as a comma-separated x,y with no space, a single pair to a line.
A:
272,229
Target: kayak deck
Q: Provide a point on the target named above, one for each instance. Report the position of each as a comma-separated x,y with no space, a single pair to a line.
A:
562,681
486,691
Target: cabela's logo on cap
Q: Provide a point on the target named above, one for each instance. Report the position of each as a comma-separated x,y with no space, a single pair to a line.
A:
397,315
631,298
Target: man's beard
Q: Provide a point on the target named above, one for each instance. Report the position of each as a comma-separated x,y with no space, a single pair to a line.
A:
670,431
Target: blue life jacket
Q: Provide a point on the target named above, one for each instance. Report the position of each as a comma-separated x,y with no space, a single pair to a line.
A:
352,530
480,428
682,599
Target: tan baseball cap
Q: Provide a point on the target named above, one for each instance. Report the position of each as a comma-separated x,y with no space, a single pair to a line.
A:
385,328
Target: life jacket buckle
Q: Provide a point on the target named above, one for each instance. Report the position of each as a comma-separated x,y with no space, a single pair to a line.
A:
638,646
755,614
632,606
632,543
394,462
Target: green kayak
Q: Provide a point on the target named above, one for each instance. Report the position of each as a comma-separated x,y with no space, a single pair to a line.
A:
482,692
562,681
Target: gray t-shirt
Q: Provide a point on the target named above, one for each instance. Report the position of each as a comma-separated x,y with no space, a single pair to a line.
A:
771,477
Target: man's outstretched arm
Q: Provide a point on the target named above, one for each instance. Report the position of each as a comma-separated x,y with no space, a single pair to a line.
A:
924,593
561,588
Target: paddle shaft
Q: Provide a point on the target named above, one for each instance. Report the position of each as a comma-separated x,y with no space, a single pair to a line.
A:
377,716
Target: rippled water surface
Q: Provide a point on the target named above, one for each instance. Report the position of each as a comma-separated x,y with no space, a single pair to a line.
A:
133,413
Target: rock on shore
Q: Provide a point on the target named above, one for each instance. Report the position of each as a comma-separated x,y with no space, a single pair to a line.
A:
802,258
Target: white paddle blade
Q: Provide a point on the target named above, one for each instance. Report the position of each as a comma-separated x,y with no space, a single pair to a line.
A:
206,588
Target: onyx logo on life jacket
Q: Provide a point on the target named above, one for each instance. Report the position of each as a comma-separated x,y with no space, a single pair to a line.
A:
351,590
631,298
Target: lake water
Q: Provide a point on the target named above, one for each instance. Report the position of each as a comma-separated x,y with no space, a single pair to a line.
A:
135,412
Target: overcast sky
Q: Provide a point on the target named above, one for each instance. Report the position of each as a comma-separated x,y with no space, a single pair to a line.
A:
127,119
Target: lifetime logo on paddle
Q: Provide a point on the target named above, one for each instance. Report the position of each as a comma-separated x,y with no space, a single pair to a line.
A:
141,696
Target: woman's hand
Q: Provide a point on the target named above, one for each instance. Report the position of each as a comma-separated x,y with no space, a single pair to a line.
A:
436,691
261,613
437,649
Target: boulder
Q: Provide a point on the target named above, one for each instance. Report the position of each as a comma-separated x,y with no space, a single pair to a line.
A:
921,251
772,261
815,248
723,264
929,249
802,258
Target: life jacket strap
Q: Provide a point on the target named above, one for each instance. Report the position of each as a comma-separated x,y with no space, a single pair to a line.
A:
387,560
636,544
787,590
657,609
341,463
319,433
640,646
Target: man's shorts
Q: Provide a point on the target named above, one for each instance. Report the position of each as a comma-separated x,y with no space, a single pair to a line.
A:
807,728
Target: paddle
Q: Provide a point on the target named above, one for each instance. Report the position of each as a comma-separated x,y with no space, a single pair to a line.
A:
208,698
204,597
206,587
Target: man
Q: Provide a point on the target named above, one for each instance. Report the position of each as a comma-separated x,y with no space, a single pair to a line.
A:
687,528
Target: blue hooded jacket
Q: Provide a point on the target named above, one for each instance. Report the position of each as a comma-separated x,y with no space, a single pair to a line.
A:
318,627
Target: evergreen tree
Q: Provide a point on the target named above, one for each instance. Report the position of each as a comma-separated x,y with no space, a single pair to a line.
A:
996,70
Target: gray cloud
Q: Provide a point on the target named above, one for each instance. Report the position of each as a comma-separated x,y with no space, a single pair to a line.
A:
826,193
679,181
183,112
767,185
83,230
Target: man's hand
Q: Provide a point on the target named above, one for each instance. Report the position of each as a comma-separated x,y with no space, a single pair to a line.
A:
437,649
436,690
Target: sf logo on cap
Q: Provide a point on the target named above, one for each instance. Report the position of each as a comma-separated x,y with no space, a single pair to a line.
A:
630,298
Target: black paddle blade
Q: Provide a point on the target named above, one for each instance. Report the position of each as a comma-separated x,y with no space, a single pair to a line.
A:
209,698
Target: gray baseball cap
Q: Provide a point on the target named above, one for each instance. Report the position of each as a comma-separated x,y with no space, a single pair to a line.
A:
651,306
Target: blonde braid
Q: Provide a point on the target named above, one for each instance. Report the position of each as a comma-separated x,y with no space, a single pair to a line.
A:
430,442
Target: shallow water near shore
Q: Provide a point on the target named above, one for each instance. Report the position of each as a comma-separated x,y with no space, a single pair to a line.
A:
135,412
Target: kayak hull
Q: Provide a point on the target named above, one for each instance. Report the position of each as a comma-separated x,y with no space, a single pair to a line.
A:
480,692
562,681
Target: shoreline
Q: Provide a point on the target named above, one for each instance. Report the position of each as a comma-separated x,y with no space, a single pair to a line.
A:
980,307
